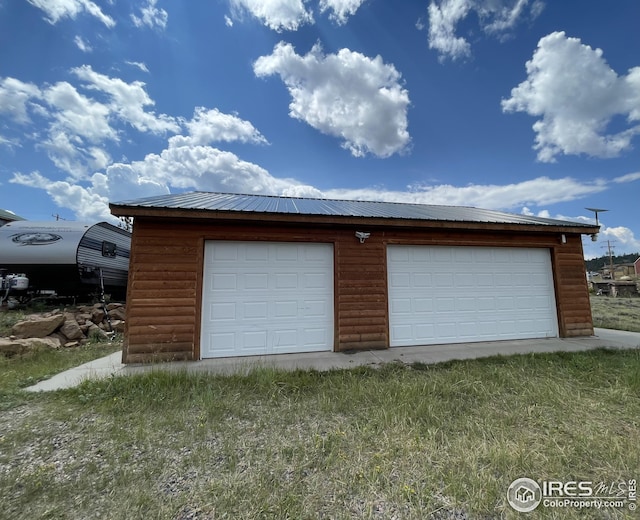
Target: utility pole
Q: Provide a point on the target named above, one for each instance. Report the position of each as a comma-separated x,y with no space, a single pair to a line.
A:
610,252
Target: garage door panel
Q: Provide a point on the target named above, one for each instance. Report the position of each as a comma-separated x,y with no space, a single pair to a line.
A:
265,297
223,281
401,306
477,294
444,305
318,280
285,309
286,281
314,308
222,311
285,339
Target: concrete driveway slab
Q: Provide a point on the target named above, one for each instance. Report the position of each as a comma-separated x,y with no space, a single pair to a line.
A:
429,354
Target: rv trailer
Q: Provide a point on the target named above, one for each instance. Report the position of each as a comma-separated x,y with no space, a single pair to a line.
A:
69,258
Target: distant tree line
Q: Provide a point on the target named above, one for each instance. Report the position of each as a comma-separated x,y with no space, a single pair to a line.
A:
595,264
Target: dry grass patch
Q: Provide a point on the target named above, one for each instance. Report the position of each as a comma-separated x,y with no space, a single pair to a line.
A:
616,313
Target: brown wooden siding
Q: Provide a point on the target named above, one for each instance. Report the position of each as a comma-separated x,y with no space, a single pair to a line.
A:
572,291
361,293
165,279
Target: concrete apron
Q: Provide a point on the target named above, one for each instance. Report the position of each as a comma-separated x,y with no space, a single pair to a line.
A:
112,365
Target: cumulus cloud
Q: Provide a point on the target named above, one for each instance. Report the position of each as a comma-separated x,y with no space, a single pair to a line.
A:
55,10
179,167
209,126
496,17
87,204
76,124
76,114
188,162
622,236
205,168
16,97
278,15
340,10
129,101
575,94
347,95
151,16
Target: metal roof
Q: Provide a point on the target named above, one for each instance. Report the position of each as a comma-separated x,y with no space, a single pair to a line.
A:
228,202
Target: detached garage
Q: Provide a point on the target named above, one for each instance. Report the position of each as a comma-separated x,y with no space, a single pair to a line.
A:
224,275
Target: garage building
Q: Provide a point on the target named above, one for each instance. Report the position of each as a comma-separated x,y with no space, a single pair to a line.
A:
222,275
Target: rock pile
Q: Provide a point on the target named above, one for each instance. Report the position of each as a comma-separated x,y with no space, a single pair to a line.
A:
64,328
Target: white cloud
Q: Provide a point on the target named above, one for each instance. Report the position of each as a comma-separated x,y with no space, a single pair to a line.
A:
540,191
575,93
127,101
443,20
125,182
278,15
55,10
206,168
15,98
346,95
77,125
622,238
78,115
70,154
138,65
151,16
178,167
82,44
629,177
340,9
496,17
87,205
9,143
209,126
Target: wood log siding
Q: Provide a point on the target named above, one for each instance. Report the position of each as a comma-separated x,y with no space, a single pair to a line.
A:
572,290
361,293
165,278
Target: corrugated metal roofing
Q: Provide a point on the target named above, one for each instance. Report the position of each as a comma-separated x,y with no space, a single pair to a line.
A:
340,208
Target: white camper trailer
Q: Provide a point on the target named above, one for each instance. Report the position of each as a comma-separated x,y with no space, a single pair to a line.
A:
70,258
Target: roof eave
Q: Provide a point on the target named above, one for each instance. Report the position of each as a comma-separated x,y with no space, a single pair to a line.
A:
262,217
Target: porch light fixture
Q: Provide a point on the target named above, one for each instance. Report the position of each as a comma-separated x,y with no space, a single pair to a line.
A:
362,236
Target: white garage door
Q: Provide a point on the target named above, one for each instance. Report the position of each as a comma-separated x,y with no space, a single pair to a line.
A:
266,298
465,294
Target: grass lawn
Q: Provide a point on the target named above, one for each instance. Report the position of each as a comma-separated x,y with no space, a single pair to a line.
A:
399,442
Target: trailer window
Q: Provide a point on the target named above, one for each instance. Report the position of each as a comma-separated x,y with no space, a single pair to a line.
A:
108,249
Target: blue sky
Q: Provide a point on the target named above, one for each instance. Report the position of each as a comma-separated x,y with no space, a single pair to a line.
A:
527,106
